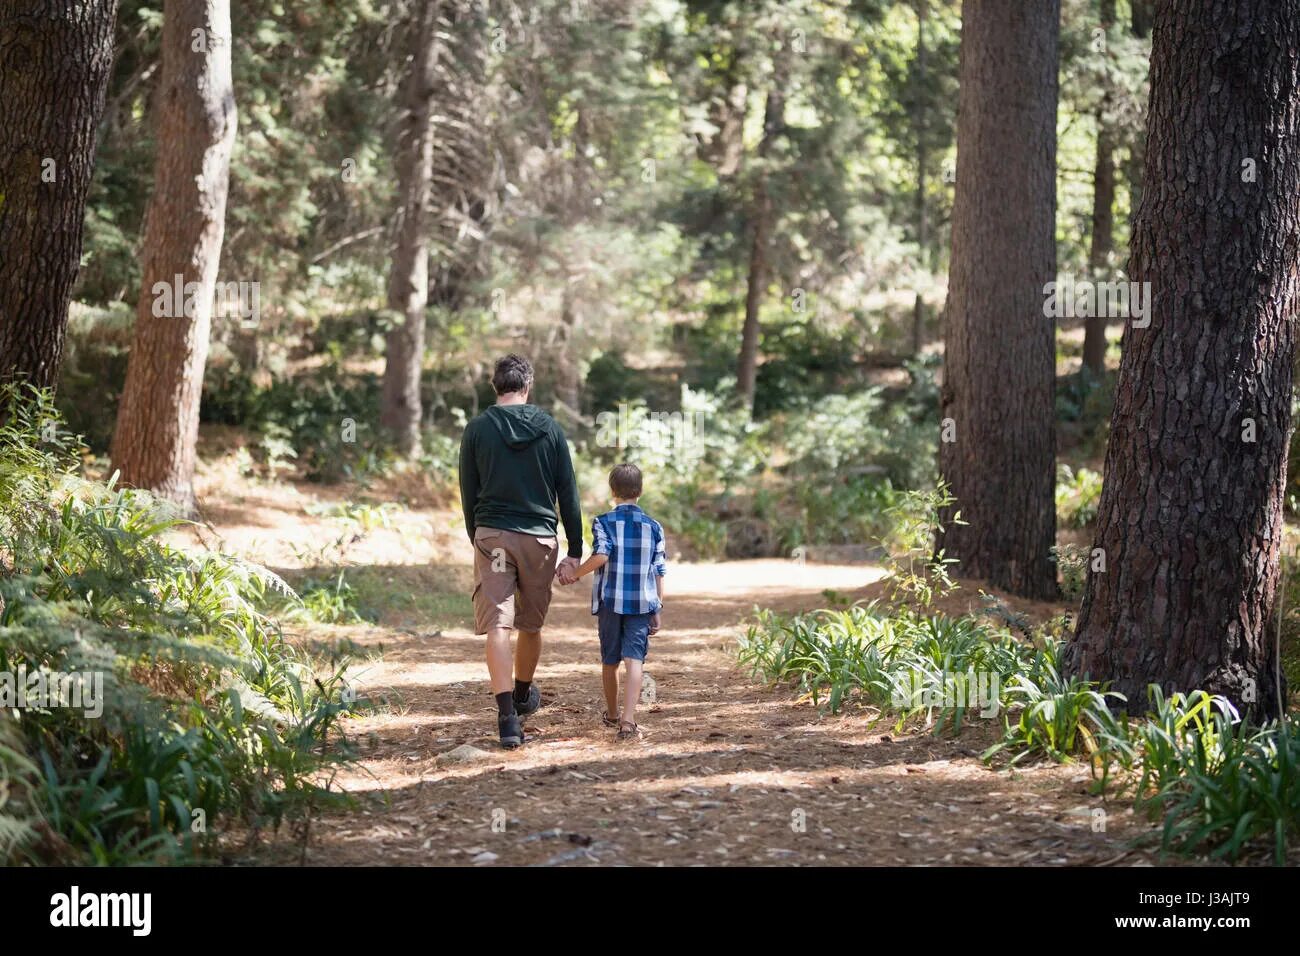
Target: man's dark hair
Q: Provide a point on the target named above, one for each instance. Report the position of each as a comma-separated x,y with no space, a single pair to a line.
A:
625,481
513,373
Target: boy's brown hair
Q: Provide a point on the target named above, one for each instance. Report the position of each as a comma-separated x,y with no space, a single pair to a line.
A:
625,481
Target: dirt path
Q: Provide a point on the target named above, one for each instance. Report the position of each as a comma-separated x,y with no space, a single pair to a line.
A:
729,772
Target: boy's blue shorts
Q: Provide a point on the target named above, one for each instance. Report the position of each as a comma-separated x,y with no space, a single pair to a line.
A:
622,636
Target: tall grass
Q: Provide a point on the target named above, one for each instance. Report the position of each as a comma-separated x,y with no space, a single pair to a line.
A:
1218,785
896,662
209,717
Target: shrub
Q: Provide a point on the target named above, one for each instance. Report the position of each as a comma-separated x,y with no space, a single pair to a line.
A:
1219,783
1077,495
1051,715
207,712
932,667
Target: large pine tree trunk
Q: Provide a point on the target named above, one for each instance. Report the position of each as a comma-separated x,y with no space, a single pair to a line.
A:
55,60
185,223
760,219
1190,517
408,281
922,161
1143,13
999,367
1103,220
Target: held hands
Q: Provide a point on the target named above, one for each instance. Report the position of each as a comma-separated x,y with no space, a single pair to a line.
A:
654,622
565,571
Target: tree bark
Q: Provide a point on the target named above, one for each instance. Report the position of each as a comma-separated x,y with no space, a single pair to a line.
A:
922,160
408,281
1103,219
56,57
1190,519
760,233
998,447
1143,13
185,223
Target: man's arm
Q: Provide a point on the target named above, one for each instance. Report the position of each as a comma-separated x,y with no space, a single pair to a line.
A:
469,483
566,493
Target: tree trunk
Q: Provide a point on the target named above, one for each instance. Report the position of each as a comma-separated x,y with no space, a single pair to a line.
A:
408,282
922,208
568,381
760,233
727,149
55,60
998,447
1143,13
1103,220
185,223
1190,517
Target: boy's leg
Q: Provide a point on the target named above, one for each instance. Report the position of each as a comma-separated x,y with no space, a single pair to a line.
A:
635,644
609,626
631,689
609,678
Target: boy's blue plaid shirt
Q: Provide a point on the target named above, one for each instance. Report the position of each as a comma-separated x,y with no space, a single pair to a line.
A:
634,543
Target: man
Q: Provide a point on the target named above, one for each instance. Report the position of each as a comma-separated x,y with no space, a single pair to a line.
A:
516,479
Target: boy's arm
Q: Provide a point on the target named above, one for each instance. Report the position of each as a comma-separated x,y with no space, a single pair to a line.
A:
659,563
593,563
660,566
601,548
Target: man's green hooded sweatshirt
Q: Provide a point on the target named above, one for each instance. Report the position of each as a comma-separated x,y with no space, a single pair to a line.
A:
516,475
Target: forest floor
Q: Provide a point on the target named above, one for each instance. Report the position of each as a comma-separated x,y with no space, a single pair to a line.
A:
729,771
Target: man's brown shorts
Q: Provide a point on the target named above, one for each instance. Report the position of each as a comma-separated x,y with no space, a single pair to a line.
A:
513,575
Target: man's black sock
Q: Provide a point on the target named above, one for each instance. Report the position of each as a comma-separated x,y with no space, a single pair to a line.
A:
521,690
505,704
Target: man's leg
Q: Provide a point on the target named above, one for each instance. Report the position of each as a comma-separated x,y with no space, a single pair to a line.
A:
494,618
609,680
528,651
498,659
535,559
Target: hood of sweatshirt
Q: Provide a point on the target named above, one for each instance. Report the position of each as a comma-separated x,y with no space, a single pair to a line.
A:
520,425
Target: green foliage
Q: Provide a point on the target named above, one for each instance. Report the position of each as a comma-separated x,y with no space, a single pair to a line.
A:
1077,495
860,433
1220,784
327,602
1072,567
94,370
933,667
1054,715
919,571
207,713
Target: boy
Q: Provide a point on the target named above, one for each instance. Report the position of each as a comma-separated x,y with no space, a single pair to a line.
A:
627,594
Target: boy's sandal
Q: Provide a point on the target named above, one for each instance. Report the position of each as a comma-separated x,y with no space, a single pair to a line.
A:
628,731
607,720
